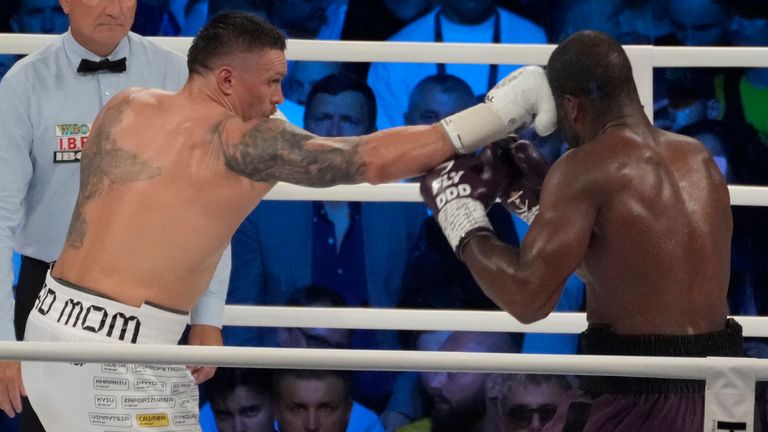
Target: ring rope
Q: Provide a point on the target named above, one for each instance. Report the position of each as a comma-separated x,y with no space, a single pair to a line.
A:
360,51
409,192
389,360
643,57
425,319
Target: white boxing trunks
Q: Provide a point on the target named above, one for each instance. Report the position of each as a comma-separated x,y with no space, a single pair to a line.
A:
107,397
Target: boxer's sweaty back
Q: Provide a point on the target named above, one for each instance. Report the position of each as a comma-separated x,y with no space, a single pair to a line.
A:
659,257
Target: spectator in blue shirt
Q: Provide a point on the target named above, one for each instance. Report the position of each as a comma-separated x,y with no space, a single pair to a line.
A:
452,21
319,401
699,22
39,16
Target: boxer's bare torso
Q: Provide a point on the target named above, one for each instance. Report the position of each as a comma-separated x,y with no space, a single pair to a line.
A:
167,178
659,255
644,216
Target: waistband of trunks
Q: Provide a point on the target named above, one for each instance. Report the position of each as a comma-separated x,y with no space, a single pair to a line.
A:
75,309
602,340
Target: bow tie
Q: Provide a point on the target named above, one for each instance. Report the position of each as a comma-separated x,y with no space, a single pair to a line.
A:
88,66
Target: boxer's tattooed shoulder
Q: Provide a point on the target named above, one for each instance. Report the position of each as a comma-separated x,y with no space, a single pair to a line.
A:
105,163
274,150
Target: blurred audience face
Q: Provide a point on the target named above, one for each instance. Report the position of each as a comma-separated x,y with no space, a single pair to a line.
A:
431,102
303,75
601,15
690,95
243,411
99,25
301,19
408,10
344,114
313,338
459,397
699,22
312,405
748,30
528,408
467,11
40,16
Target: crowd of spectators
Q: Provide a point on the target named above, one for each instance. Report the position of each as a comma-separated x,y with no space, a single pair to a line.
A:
372,254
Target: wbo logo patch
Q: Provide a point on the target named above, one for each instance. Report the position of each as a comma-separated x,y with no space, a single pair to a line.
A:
70,142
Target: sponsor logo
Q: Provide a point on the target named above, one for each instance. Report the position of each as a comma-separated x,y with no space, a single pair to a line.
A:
72,129
185,419
189,403
146,402
116,368
160,370
181,387
99,419
149,384
105,401
67,156
109,383
152,420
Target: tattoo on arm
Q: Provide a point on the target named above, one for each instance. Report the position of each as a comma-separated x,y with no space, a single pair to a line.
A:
273,150
104,164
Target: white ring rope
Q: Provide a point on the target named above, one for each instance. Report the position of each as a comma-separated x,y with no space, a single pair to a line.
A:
409,192
341,359
643,57
425,319
359,51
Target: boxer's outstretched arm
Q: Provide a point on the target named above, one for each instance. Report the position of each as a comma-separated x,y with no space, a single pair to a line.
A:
527,282
273,150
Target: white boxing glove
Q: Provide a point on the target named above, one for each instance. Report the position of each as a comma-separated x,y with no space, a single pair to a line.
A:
521,97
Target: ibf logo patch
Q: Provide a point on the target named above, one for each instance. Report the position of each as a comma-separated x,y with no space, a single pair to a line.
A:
70,142
724,426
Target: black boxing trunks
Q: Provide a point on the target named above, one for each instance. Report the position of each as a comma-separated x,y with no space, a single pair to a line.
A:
110,396
620,404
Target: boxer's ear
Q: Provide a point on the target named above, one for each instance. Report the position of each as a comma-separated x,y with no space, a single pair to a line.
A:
65,5
572,108
224,80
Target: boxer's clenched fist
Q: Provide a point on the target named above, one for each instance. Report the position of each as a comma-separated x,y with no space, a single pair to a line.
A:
520,98
526,168
459,192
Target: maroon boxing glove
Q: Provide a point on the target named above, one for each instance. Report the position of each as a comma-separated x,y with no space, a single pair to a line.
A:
460,191
526,168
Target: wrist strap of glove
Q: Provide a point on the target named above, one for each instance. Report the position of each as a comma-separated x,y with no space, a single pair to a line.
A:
474,127
462,218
